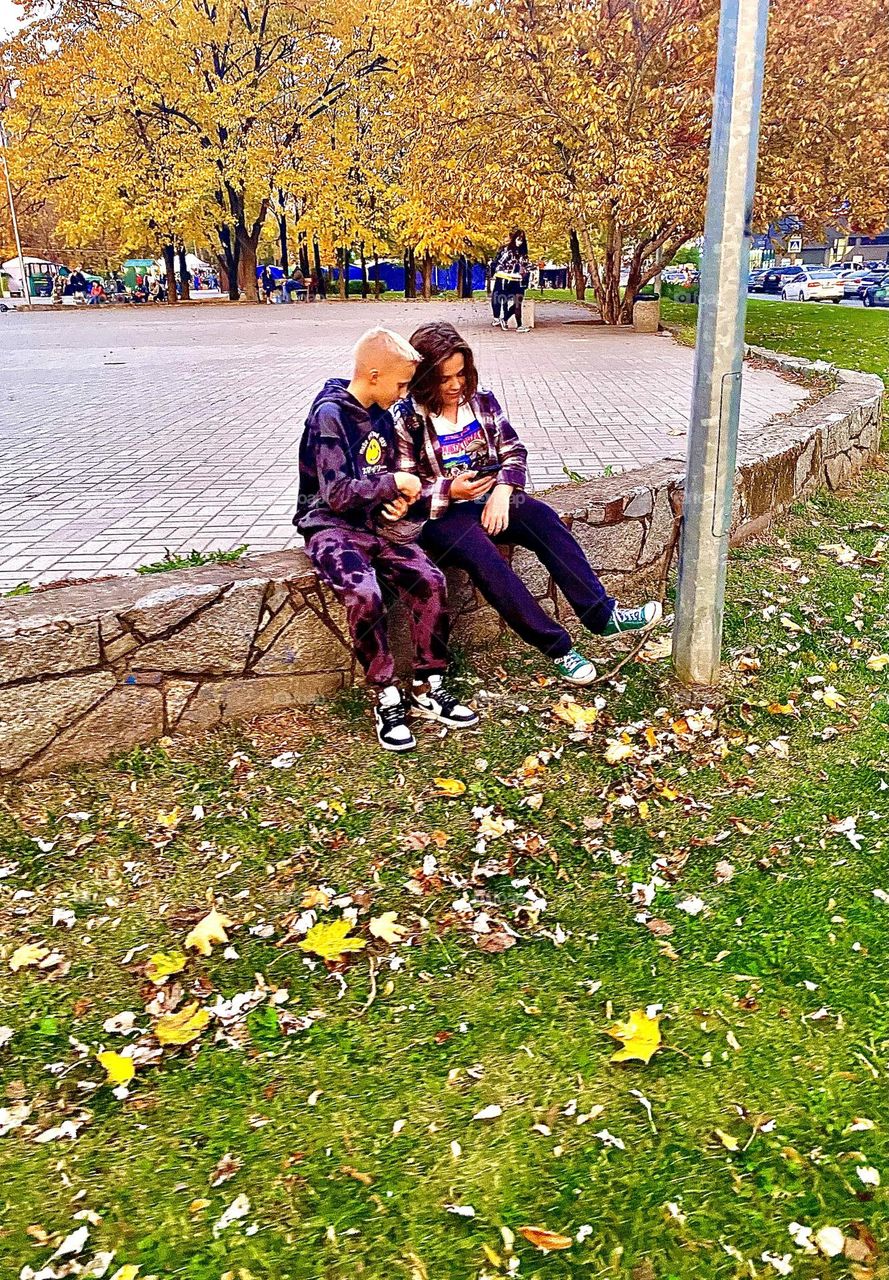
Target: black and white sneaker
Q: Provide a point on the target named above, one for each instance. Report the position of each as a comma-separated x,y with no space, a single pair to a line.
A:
431,699
390,717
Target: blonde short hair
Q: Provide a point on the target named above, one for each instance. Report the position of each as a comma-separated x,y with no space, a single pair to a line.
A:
378,346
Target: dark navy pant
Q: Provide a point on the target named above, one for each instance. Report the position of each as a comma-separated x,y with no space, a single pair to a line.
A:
358,566
457,539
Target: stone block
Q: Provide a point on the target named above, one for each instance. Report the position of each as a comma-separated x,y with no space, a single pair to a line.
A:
807,472
31,715
305,643
531,571
127,716
478,627
176,695
639,505
272,627
166,608
838,471
28,651
615,546
660,529
217,642
119,648
219,701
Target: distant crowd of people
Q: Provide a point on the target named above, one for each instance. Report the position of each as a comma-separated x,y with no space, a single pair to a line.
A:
146,287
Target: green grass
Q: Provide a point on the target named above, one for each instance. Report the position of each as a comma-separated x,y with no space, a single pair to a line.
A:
193,559
344,1130
851,337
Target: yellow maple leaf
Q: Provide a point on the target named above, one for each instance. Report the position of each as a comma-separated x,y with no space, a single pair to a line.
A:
120,1069
640,1037
782,709
184,1026
450,786
29,954
571,712
616,752
209,930
128,1271
330,940
170,821
878,662
384,926
164,963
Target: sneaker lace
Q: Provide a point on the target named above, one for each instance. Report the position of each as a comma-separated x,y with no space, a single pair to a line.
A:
392,716
573,661
445,699
632,615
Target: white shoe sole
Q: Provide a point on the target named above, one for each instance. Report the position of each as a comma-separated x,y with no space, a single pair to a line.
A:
580,684
393,746
636,631
426,714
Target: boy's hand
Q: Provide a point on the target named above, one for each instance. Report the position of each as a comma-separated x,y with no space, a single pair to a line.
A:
408,485
395,509
467,487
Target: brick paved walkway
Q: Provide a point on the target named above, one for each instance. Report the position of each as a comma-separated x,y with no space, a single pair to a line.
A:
125,432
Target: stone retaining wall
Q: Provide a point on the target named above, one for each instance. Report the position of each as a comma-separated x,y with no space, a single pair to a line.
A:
95,669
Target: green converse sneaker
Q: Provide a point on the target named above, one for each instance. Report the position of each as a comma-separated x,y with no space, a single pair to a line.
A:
575,668
628,620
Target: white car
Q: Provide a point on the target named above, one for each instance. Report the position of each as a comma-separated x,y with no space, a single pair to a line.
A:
810,285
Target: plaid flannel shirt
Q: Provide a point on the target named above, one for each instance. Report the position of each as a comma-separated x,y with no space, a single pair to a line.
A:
418,449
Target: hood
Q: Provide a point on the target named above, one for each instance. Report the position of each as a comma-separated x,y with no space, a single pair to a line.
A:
335,392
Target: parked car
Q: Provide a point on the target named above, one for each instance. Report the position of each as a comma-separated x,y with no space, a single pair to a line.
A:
852,278
869,279
774,279
755,279
813,286
877,295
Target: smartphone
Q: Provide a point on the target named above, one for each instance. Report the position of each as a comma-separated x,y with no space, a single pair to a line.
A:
481,473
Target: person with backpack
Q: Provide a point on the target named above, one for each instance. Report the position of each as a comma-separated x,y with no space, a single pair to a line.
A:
511,271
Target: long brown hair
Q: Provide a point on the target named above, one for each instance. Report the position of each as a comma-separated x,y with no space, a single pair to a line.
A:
435,343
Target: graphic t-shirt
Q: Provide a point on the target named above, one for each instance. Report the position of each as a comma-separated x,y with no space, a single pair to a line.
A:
463,444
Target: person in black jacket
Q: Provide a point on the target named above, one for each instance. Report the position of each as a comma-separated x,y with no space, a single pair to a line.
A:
348,489
511,271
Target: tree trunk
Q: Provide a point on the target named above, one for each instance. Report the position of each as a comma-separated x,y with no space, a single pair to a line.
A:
169,255
410,274
427,276
460,277
577,267
282,237
322,283
376,274
184,283
304,255
363,273
248,264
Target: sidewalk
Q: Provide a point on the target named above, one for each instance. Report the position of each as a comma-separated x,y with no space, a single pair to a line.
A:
126,432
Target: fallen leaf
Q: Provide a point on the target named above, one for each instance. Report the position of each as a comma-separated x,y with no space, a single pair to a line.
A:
170,821
384,926
25,957
830,1241
616,752
128,1271
730,1143
571,712
640,1037
878,662
450,786
182,1027
164,963
546,1240
365,1178
239,1208
227,1166
489,1113
330,940
207,931
120,1070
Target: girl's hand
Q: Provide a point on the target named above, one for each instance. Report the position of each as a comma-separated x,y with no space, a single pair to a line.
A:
495,516
395,509
466,487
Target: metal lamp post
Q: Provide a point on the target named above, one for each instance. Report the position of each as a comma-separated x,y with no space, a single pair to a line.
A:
713,433
15,225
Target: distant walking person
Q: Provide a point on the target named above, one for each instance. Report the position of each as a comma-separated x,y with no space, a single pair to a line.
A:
511,271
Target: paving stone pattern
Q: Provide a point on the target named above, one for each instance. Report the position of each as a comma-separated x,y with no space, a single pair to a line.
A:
127,432
89,670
